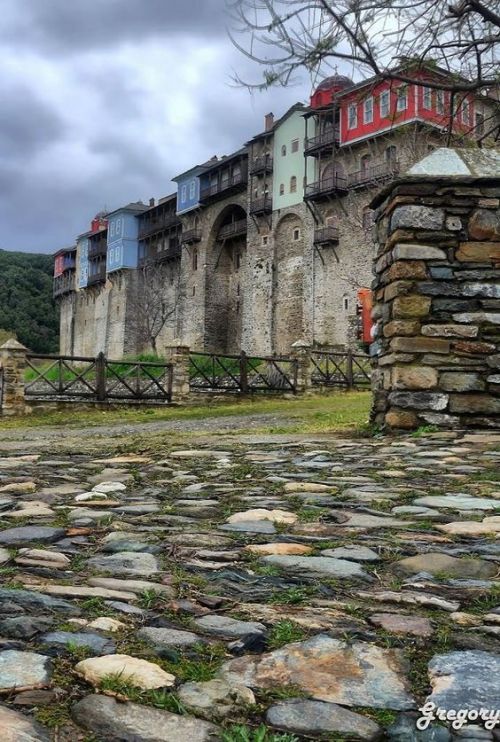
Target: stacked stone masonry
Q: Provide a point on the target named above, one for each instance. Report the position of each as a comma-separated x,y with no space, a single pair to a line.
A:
437,304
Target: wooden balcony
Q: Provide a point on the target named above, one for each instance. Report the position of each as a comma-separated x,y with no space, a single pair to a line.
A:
224,188
323,142
326,235
261,165
373,175
99,276
326,188
148,227
190,236
98,247
261,206
64,284
164,256
233,230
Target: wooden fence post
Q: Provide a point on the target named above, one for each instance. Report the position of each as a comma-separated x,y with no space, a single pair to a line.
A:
100,377
349,369
243,372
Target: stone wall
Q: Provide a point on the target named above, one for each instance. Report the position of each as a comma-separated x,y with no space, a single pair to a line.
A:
437,294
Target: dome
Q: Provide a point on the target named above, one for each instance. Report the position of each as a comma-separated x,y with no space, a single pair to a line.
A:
335,81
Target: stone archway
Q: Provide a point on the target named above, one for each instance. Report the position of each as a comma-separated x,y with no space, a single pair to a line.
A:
225,275
288,293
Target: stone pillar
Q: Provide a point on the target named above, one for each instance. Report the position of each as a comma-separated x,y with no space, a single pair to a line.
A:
178,356
13,365
437,294
301,353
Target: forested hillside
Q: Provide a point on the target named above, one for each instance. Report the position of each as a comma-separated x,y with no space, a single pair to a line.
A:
26,306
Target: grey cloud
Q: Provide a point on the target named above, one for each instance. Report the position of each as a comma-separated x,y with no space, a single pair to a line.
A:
70,26
27,123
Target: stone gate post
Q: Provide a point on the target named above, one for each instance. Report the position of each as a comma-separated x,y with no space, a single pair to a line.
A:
437,294
301,353
178,356
13,364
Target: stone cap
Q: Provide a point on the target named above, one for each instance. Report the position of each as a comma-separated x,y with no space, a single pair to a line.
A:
447,164
14,345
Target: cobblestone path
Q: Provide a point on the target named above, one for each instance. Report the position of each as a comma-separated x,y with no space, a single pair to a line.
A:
260,589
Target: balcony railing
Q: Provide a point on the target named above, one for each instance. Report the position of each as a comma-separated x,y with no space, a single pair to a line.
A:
234,183
156,225
326,235
64,284
171,253
99,276
69,264
335,185
326,139
261,165
98,248
234,229
373,174
261,206
189,236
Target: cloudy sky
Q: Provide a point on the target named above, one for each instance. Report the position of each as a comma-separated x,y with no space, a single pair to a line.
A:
103,101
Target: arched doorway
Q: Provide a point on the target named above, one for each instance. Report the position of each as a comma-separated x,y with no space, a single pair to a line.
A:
225,276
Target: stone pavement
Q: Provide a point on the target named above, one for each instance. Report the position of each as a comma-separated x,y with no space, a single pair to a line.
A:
319,588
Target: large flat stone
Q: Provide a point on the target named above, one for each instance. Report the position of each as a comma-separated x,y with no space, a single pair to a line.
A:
17,727
26,535
137,672
127,563
458,502
20,670
132,722
18,601
322,565
165,638
329,670
435,563
318,717
226,626
465,680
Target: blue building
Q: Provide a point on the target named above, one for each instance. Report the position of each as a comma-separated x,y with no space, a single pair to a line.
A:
123,234
82,244
188,188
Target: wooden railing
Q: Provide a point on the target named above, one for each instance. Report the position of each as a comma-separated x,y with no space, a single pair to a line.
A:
261,164
261,205
326,234
233,229
326,138
190,235
240,179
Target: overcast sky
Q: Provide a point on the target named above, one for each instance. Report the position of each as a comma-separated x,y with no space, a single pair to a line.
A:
103,101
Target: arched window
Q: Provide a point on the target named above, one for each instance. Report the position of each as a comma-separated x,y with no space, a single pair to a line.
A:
296,234
195,259
391,154
293,184
365,163
283,150
282,189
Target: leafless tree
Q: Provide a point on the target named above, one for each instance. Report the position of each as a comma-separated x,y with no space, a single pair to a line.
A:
382,38
157,299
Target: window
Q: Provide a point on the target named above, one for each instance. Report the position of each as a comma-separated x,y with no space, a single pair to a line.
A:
283,150
237,263
195,259
427,99
265,240
384,104
183,193
112,229
402,99
293,184
440,101
465,112
282,189
192,189
296,234
194,290
391,154
368,110
345,303
479,124
365,163
352,113
295,145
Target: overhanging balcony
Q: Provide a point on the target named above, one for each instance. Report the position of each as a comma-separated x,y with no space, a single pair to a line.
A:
64,284
232,230
322,143
326,235
224,187
148,227
173,252
190,236
97,274
98,247
326,188
373,175
261,206
261,165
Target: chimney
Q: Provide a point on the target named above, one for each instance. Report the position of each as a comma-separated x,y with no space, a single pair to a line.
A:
151,202
268,121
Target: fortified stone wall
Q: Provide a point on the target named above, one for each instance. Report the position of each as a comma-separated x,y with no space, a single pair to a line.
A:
437,293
